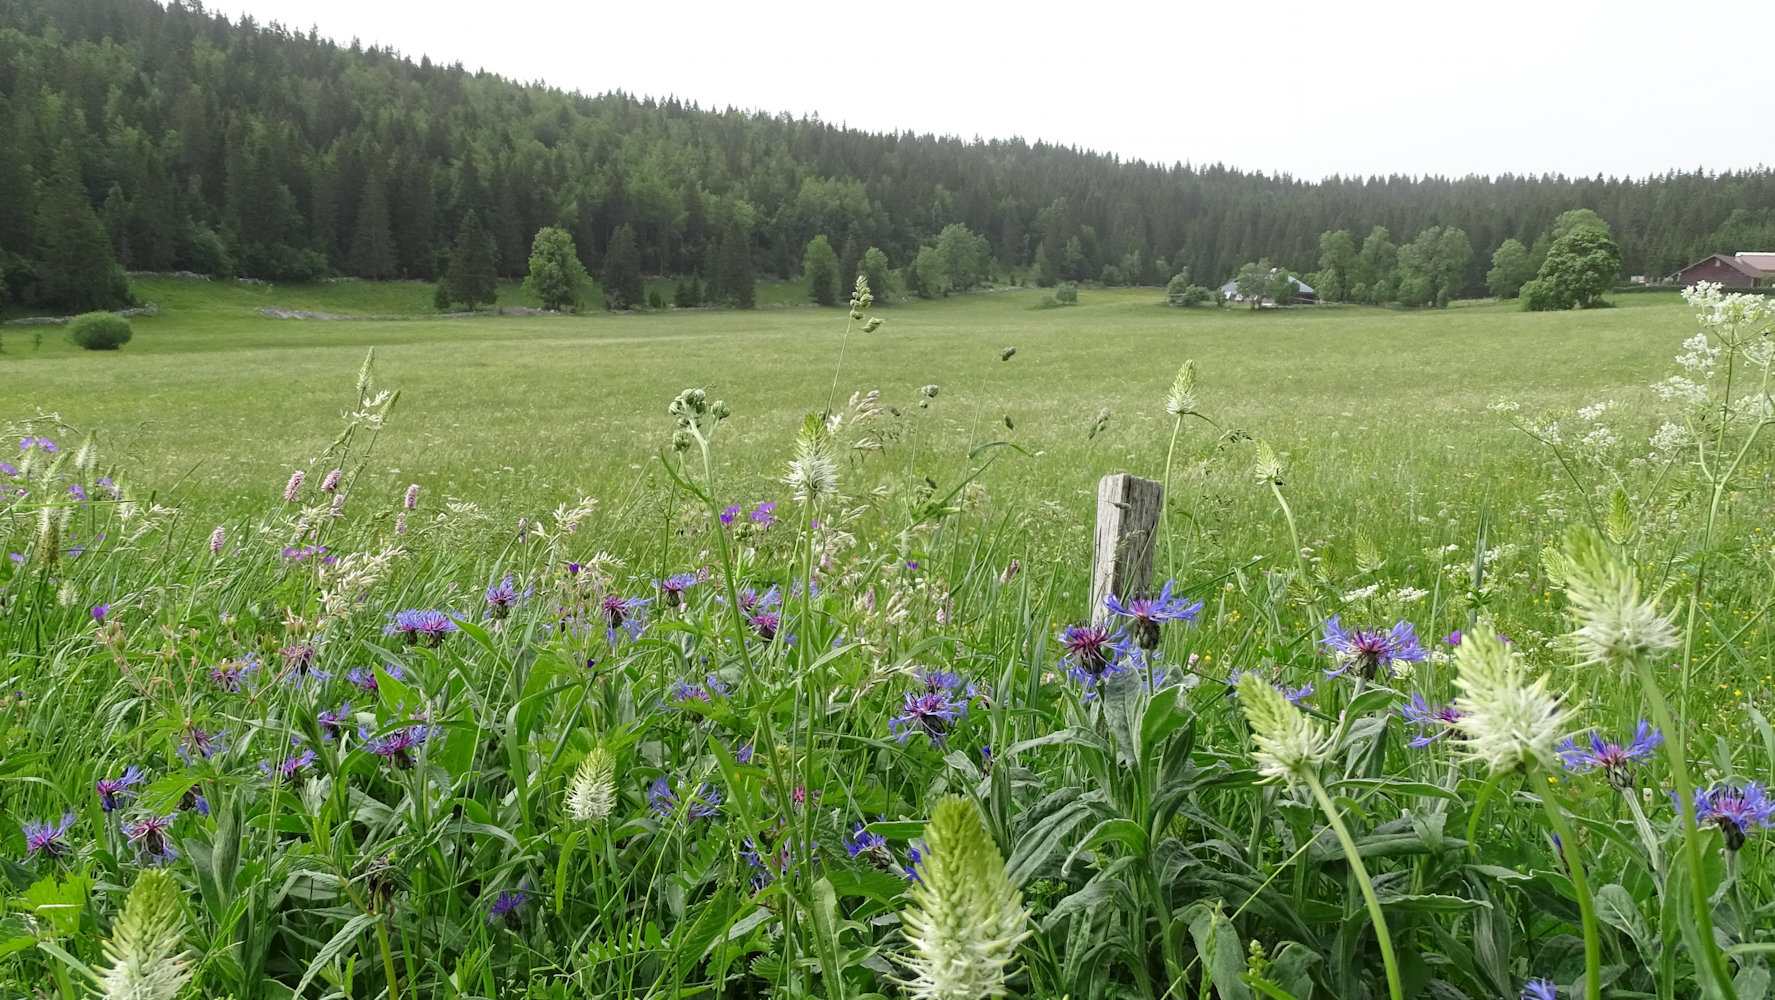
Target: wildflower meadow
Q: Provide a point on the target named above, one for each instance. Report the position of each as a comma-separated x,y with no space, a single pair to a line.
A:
836,719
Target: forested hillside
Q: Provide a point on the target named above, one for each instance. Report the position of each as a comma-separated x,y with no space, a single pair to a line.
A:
191,143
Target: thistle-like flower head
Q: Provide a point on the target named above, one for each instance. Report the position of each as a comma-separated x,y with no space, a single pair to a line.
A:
1615,624
1290,746
1509,719
1182,398
592,792
145,960
813,473
966,917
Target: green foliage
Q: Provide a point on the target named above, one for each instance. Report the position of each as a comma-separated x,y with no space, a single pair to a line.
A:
1510,269
1254,282
76,268
735,281
99,331
1374,267
373,253
556,274
874,270
1580,267
469,278
1337,265
621,277
687,293
1066,293
819,268
928,275
1575,220
966,258
1433,268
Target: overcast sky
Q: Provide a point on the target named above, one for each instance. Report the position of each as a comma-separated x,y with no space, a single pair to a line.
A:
1619,87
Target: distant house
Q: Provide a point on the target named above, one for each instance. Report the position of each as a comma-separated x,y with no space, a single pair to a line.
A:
1737,271
1303,292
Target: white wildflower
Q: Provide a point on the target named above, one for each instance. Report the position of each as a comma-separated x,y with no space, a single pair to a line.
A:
1508,720
1266,466
1595,410
1289,745
1670,439
146,962
1682,390
813,475
345,584
1182,398
1407,595
966,917
1362,593
592,792
1615,625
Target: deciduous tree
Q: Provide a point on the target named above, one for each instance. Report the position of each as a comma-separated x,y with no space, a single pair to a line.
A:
556,274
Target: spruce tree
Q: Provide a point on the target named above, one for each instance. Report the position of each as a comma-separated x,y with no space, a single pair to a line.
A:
734,281
372,243
470,278
75,266
819,267
623,288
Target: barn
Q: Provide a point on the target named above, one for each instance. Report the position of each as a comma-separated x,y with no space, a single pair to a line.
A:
1737,271
1303,292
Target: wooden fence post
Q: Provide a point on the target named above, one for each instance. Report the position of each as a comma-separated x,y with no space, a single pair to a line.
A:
1127,532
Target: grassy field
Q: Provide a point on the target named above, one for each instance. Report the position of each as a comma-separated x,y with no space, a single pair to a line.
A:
577,784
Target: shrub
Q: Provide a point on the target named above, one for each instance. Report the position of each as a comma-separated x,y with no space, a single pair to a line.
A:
1048,302
1191,295
99,331
1066,293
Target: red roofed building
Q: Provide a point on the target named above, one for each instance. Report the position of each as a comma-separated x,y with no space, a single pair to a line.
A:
1732,272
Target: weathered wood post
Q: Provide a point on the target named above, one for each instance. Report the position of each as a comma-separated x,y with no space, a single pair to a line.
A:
1127,532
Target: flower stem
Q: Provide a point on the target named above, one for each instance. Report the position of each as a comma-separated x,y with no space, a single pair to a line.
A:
1374,904
1165,502
394,986
1586,904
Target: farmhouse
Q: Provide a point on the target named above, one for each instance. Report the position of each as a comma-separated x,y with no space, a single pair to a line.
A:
1744,270
1303,292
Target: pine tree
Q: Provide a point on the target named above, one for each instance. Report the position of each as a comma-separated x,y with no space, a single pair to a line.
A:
470,278
372,243
735,282
819,268
623,288
75,266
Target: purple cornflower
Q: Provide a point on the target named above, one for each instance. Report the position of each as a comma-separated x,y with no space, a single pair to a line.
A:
672,588
742,754
1539,989
229,675
765,624
752,601
333,723
666,803
935,680
291,766
624,613
112,791
149,837
861,841
1092,652
203,743
299,665
728,515
1615,760
416,624
1148,613
711,688
365,677
505,908
49,840
1371,652
764,515
396,747
1433,721
1454,638
99,611
1296,695
1736,811
933,713
502,597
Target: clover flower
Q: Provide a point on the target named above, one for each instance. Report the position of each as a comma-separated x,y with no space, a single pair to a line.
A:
1735,810
1370,652
145,960
49,839
1093,652
933,713
1615,760
672,588
1289,745
330,483
428,624
1433,721
1148,613
966,917
705,803
1508,720
148,836
592,793
1615,625
396,747
113,791
505,907
218,538
411,500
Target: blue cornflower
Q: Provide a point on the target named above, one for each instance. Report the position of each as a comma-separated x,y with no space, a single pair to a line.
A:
502,597
299,665
1296,695
202,742
1615,760
913,857
1433,721
505,908
624,613
1736,811
1148,613
765,624
1371,652
742,754
333,723
149,837
365,677
112,791
289,767
49,840
705,803
428,624
1539,989
861,841
193,800
1093,652
396,747
752,601
933,713
229,675
711,688
770,865
672,588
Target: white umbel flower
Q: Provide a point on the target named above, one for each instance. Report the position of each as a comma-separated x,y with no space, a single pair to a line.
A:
1290,746
592,792
966,917
146,962
813,472
1615,624
1508,720
1182,398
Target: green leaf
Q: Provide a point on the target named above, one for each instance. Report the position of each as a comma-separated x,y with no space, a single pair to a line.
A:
332,949
1432,903
58,902
1615,906
1218,944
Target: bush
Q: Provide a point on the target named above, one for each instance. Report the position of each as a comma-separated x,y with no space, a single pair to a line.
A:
1192,295
1048,302
1066,293
99,331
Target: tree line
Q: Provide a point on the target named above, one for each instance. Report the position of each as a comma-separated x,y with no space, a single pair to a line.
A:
141,137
